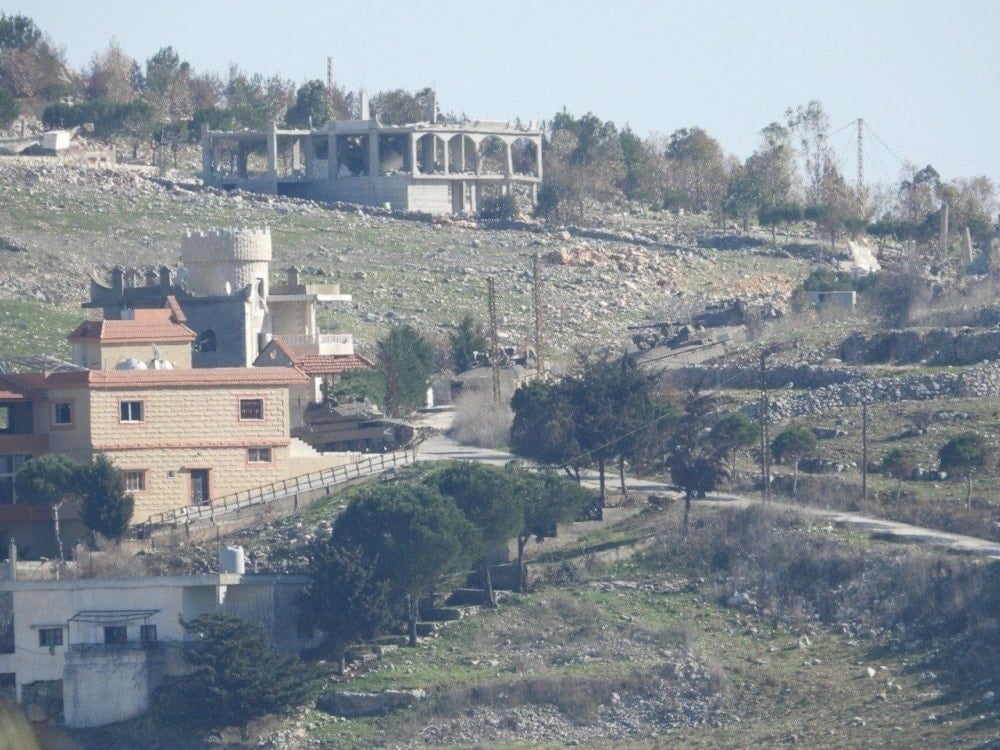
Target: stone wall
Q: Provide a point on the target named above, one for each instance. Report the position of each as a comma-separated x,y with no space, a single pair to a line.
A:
976,382
780,376
941,346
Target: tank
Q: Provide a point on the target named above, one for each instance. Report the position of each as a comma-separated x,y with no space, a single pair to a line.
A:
355,425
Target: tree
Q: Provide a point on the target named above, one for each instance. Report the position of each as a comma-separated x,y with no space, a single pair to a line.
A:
30,66
697,167
962,456
406,360
695,462
313,105
900,463
735,431
489,502
344,598
236,673
113,75
793,443
811,125
583,164
167,84
50,479
106,508
543,428
410,535
8,108
400,107
549,499
467,339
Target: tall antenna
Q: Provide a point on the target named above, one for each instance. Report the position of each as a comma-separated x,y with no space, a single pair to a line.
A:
862,196
329,85
536,298
494,342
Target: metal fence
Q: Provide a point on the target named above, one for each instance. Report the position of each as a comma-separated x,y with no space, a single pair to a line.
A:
367,466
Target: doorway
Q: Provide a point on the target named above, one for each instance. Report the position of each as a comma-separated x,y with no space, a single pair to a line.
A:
199,487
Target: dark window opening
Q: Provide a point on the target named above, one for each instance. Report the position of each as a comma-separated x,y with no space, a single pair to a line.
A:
205,342
251,408
147,633
115,635
62,413
50,636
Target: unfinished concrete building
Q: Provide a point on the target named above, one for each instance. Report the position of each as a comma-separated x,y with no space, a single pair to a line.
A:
428,166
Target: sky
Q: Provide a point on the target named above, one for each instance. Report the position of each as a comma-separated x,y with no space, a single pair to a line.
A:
921,74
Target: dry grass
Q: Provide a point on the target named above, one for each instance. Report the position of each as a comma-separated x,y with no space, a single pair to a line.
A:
481,422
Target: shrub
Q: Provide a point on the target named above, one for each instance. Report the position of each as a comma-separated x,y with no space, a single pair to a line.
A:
480,421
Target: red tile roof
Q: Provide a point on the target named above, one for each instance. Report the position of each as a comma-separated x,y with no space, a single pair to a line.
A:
323,364
132,331
331,364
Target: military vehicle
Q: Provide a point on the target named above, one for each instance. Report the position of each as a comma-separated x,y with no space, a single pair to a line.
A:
352,425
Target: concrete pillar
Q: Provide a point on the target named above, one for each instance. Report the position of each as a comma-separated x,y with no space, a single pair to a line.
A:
366,112
461,153
310,155
444,148
374,167
415,168
241,160
272,150
473,201
332,157
534,194
510,158
296,154
538,157
968,246
207,153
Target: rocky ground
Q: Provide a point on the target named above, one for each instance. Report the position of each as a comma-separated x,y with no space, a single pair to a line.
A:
65,221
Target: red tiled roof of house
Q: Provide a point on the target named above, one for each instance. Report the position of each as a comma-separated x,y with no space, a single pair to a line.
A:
127,331
8,395
322,364
206,376
331,364
175,309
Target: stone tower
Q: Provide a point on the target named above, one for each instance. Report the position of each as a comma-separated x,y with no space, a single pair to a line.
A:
223,262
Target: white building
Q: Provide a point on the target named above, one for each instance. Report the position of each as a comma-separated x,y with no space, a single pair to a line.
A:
94,650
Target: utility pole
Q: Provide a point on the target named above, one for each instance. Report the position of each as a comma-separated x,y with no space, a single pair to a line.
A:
765,464
329,85
536,298
494,342
864,450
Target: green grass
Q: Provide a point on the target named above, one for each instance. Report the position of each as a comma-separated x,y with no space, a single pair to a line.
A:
28,327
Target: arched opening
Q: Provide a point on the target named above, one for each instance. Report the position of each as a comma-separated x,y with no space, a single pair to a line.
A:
492,155
461,155
524,157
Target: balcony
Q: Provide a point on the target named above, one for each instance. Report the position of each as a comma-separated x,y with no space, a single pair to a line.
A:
320,343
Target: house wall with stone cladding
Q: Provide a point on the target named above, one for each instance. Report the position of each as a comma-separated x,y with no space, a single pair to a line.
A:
191,428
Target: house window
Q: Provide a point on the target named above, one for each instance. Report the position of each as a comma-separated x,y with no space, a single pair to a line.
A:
147,633
50,636
115,635
259,455
62,413
10,464
4,418
251,408
135,480
131,411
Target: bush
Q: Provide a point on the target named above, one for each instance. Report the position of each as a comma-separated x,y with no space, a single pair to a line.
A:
503,208
481,422
895,296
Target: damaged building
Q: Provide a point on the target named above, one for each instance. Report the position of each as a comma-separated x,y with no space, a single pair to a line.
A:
429,166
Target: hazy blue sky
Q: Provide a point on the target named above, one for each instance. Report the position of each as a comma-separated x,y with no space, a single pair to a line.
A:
922,74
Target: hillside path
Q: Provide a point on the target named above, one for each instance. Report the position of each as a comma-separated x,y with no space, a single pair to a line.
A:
440,447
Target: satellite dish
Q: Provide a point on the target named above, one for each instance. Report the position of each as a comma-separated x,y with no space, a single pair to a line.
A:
229,289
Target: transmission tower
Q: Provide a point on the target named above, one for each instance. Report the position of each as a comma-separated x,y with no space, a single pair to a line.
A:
862,193
536,298
494,342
